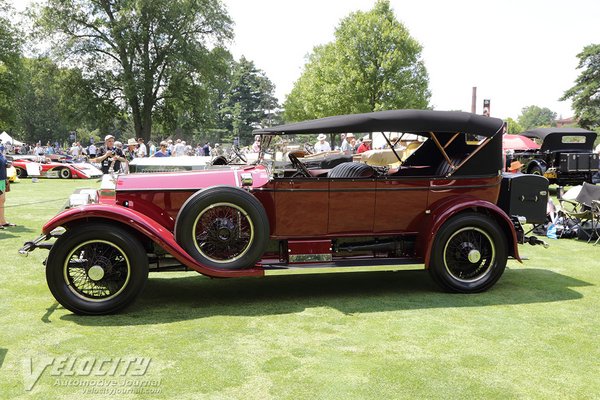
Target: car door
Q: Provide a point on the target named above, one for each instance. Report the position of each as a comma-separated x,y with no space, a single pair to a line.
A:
301,207
400,205
351,205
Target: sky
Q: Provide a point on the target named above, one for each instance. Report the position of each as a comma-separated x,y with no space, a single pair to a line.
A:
516,52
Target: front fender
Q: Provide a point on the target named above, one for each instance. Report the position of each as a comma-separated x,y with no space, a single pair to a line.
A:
147,227
440,212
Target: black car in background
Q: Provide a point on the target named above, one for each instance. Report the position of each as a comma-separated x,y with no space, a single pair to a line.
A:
566,156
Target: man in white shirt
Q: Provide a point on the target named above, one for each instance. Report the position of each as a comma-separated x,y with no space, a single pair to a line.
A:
142,150
321,144
92,150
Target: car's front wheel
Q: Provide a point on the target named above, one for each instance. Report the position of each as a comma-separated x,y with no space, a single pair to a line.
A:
96,269
469,254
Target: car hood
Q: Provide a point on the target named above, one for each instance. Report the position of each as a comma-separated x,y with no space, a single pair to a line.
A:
193,180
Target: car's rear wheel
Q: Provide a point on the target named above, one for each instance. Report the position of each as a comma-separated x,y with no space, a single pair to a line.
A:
96,269
536,170
223,227
65,173
469,254
21,173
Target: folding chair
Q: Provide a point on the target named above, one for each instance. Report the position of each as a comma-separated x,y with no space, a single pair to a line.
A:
596,219
580,210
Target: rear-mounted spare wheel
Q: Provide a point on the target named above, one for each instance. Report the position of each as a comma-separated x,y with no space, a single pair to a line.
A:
223,227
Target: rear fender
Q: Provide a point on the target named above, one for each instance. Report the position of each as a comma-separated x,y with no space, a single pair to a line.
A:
146,227
449,207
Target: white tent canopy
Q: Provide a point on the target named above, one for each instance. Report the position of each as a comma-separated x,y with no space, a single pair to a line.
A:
6,138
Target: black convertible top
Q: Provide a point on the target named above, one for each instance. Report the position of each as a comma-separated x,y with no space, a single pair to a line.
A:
542,133
553,139
406,121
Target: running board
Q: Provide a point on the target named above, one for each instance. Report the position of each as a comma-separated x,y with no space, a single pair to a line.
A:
343,267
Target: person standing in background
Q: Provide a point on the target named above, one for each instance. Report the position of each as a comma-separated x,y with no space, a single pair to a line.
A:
92,150
365,145
142,150
162,150
109,156
348,145
322,145
152,148
3,188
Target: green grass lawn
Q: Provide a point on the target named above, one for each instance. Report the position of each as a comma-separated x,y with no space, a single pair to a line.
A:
535,335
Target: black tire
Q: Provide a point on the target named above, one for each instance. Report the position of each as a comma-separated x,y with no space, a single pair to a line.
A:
64,173
220,160
536,170
96,269
351,170
223,227
469,254
21,173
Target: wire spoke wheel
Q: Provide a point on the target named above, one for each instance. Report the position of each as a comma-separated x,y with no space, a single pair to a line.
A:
469,254
97,270
223,232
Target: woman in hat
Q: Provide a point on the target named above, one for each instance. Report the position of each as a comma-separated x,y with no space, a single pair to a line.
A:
321,144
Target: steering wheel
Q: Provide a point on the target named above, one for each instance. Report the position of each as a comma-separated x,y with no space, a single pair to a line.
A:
302,170
239,155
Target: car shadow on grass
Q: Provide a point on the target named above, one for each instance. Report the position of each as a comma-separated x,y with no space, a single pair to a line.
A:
174,299
14,231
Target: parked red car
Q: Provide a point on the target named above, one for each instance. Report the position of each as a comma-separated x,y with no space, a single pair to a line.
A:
437,211
57,167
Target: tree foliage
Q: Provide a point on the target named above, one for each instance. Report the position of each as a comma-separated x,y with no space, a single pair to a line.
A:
10,66
513,127
249,101
586,92
53,101
373,64
535,117
141,53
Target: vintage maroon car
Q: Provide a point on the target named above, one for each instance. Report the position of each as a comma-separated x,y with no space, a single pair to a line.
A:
438,211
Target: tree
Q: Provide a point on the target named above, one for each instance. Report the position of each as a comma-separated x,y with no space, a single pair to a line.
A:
373,64
139,52
249,101
10,66
586,92
513,127
534,117
53,101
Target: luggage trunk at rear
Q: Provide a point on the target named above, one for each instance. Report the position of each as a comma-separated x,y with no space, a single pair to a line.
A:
524,195
578,162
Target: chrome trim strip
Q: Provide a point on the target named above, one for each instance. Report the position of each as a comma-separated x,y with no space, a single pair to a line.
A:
333,270
237,179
